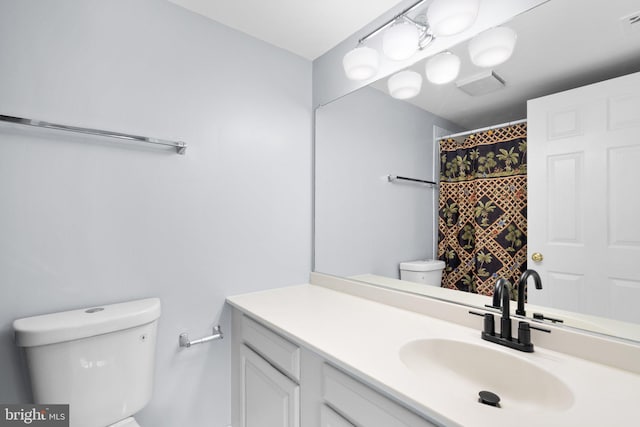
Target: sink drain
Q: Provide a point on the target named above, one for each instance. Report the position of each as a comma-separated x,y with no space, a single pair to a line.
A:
489,398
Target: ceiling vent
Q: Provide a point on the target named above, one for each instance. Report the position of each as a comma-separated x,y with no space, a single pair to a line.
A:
481,83
630,23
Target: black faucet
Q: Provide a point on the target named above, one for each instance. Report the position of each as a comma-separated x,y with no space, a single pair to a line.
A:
497,292
502,291
505,320
522,289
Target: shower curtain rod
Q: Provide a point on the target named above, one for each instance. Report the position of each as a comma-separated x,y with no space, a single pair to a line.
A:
469,132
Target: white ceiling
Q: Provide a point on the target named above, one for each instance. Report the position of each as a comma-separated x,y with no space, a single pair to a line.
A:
307,28
562,44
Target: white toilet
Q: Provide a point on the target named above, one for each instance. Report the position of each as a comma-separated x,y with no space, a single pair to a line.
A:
427,271
100,360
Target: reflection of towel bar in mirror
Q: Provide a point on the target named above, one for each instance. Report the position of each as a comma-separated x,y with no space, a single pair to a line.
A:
180,146
392,178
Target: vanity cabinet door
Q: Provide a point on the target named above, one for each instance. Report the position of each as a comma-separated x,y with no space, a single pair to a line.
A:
330,418
280,352
364,406
268,397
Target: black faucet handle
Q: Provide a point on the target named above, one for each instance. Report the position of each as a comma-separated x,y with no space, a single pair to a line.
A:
489,324
524,333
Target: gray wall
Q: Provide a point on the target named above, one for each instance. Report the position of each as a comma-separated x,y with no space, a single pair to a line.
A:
85,221
364,224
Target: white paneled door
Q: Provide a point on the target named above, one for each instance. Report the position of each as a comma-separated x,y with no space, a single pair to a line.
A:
584,202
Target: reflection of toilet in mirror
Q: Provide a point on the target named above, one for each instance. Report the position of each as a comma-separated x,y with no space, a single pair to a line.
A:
427,272
99,361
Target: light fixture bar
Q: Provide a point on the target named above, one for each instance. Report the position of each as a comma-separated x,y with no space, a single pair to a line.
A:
391,21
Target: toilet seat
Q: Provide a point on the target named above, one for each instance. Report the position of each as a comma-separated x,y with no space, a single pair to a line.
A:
127,422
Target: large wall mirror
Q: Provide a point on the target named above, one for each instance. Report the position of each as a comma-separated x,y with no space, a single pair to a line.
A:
367,223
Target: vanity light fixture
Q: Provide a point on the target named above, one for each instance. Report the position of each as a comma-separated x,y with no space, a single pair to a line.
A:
400,41
403,35
450,17
361,63
492,47
442,68
405,84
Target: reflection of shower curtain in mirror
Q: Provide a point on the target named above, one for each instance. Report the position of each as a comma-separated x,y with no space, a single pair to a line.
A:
483,209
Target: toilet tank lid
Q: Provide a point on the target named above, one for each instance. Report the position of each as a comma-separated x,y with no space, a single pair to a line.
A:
422,265
85,322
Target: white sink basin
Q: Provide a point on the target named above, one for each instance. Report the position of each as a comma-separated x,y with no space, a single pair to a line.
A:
464,369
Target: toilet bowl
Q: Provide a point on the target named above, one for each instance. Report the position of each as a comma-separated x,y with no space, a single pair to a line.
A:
427,271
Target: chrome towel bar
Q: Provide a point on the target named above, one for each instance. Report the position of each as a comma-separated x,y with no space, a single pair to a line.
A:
392,178
184,341
180,146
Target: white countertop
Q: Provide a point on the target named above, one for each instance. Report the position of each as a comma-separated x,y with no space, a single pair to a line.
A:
597,324
365,337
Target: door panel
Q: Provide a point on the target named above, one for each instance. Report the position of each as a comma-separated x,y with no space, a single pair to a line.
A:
583,165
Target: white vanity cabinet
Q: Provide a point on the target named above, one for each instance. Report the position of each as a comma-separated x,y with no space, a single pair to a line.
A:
268,378
269,398
277,383
330,418
364,406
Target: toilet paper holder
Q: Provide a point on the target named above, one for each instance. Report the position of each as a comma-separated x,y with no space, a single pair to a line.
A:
184,341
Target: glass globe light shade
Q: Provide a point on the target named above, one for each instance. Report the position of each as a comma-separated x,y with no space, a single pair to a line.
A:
442,68
449,17
400,41
492,47
361,63
405,84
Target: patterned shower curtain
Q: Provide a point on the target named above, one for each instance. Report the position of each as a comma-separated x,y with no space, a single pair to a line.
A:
483,209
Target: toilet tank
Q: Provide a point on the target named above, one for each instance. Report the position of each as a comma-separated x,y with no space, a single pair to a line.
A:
98,360
427,272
